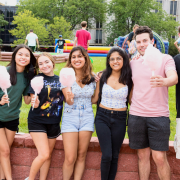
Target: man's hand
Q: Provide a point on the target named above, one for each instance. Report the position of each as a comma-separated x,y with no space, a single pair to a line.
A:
157,81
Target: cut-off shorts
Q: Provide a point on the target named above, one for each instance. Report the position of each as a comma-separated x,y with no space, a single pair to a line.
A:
77,118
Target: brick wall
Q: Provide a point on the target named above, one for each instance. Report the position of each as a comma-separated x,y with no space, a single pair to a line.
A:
23,152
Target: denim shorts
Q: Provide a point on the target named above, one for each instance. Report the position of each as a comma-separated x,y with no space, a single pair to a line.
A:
77,118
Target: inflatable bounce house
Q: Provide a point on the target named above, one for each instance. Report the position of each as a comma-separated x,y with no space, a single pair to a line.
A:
121,41
163,46
96,51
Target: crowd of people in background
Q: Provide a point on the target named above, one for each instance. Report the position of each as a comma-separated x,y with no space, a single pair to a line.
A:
120,84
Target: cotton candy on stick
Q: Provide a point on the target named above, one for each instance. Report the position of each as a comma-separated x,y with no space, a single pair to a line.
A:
67,77
153,58
37,84
5,82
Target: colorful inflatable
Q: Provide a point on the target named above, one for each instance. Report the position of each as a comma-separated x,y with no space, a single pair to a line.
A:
94,51
163,46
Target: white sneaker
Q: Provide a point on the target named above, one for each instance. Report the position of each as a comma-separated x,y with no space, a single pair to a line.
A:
27,178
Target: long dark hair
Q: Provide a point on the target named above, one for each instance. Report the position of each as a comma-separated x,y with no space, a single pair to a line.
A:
126,74
30,70
87,69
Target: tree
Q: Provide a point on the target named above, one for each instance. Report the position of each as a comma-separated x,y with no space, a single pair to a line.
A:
74,11
2,23
126,13
87,10
60,26
25,21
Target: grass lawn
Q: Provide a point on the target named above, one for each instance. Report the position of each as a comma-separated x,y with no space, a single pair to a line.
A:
98,65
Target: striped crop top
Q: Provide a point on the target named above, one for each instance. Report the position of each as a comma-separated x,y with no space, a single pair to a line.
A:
112,98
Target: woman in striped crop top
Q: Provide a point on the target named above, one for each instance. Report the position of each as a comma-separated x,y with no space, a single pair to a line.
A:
114,87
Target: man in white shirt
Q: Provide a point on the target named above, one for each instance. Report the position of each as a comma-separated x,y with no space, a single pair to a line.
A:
32,39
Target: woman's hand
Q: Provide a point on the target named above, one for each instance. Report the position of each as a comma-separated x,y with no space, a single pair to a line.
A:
70,96
4,100
34,101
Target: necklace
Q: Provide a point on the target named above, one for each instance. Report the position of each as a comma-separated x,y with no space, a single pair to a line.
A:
79,79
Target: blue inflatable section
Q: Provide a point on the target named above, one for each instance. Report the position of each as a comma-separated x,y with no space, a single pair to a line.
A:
163,46
56,46
97,55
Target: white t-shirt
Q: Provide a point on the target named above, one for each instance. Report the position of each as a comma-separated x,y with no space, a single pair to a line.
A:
31,37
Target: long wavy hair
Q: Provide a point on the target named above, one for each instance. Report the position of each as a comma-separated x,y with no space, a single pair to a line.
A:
87,77
30,70
126,74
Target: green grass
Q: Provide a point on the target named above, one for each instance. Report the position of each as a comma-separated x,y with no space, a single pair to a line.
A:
98,65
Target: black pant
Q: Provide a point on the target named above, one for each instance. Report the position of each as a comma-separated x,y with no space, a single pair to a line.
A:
110,129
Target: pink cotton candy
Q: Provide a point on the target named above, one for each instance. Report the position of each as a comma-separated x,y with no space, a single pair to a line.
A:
37,84
153,58
5,82
67,77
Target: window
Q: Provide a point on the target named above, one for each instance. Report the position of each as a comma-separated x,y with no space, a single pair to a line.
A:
160,4
173,7
98,32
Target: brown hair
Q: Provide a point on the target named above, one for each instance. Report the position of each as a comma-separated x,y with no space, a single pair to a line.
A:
83,23
47,55
143,29
87,69
179,29
31,30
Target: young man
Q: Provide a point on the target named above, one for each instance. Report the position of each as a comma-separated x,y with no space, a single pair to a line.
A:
177,42
149,123
32,38
83,37
60,44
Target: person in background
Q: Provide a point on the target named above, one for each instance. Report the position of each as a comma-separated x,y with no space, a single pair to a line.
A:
32,39
131,35
60,44
83,37
177,42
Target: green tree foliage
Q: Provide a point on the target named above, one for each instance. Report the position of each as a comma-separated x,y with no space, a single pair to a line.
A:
74,11
25,21
126,13
59,26
2,23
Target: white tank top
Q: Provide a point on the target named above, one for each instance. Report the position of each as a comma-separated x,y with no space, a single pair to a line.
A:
112,98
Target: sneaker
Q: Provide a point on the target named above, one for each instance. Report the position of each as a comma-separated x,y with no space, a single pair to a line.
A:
27,178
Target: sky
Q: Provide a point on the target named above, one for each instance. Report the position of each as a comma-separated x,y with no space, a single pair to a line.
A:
9,2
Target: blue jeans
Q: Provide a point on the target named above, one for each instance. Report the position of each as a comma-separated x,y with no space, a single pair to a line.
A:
110,129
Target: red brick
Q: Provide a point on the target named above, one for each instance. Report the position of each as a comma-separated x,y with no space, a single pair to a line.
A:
19,140
127,176
126,149
175,177
128,163
17,172
175,165
89,174
93,160
59,143
55,174
23,156
29,142
57,158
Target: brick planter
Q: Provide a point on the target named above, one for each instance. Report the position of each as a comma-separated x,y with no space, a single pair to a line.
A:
23,152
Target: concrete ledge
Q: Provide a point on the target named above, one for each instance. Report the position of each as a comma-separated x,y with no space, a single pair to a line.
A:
23,153
6,56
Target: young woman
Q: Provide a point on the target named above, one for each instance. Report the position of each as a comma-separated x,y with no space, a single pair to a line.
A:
21,69
44,120
78,118
113,89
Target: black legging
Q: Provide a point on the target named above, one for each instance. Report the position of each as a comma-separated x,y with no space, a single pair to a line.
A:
110,128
